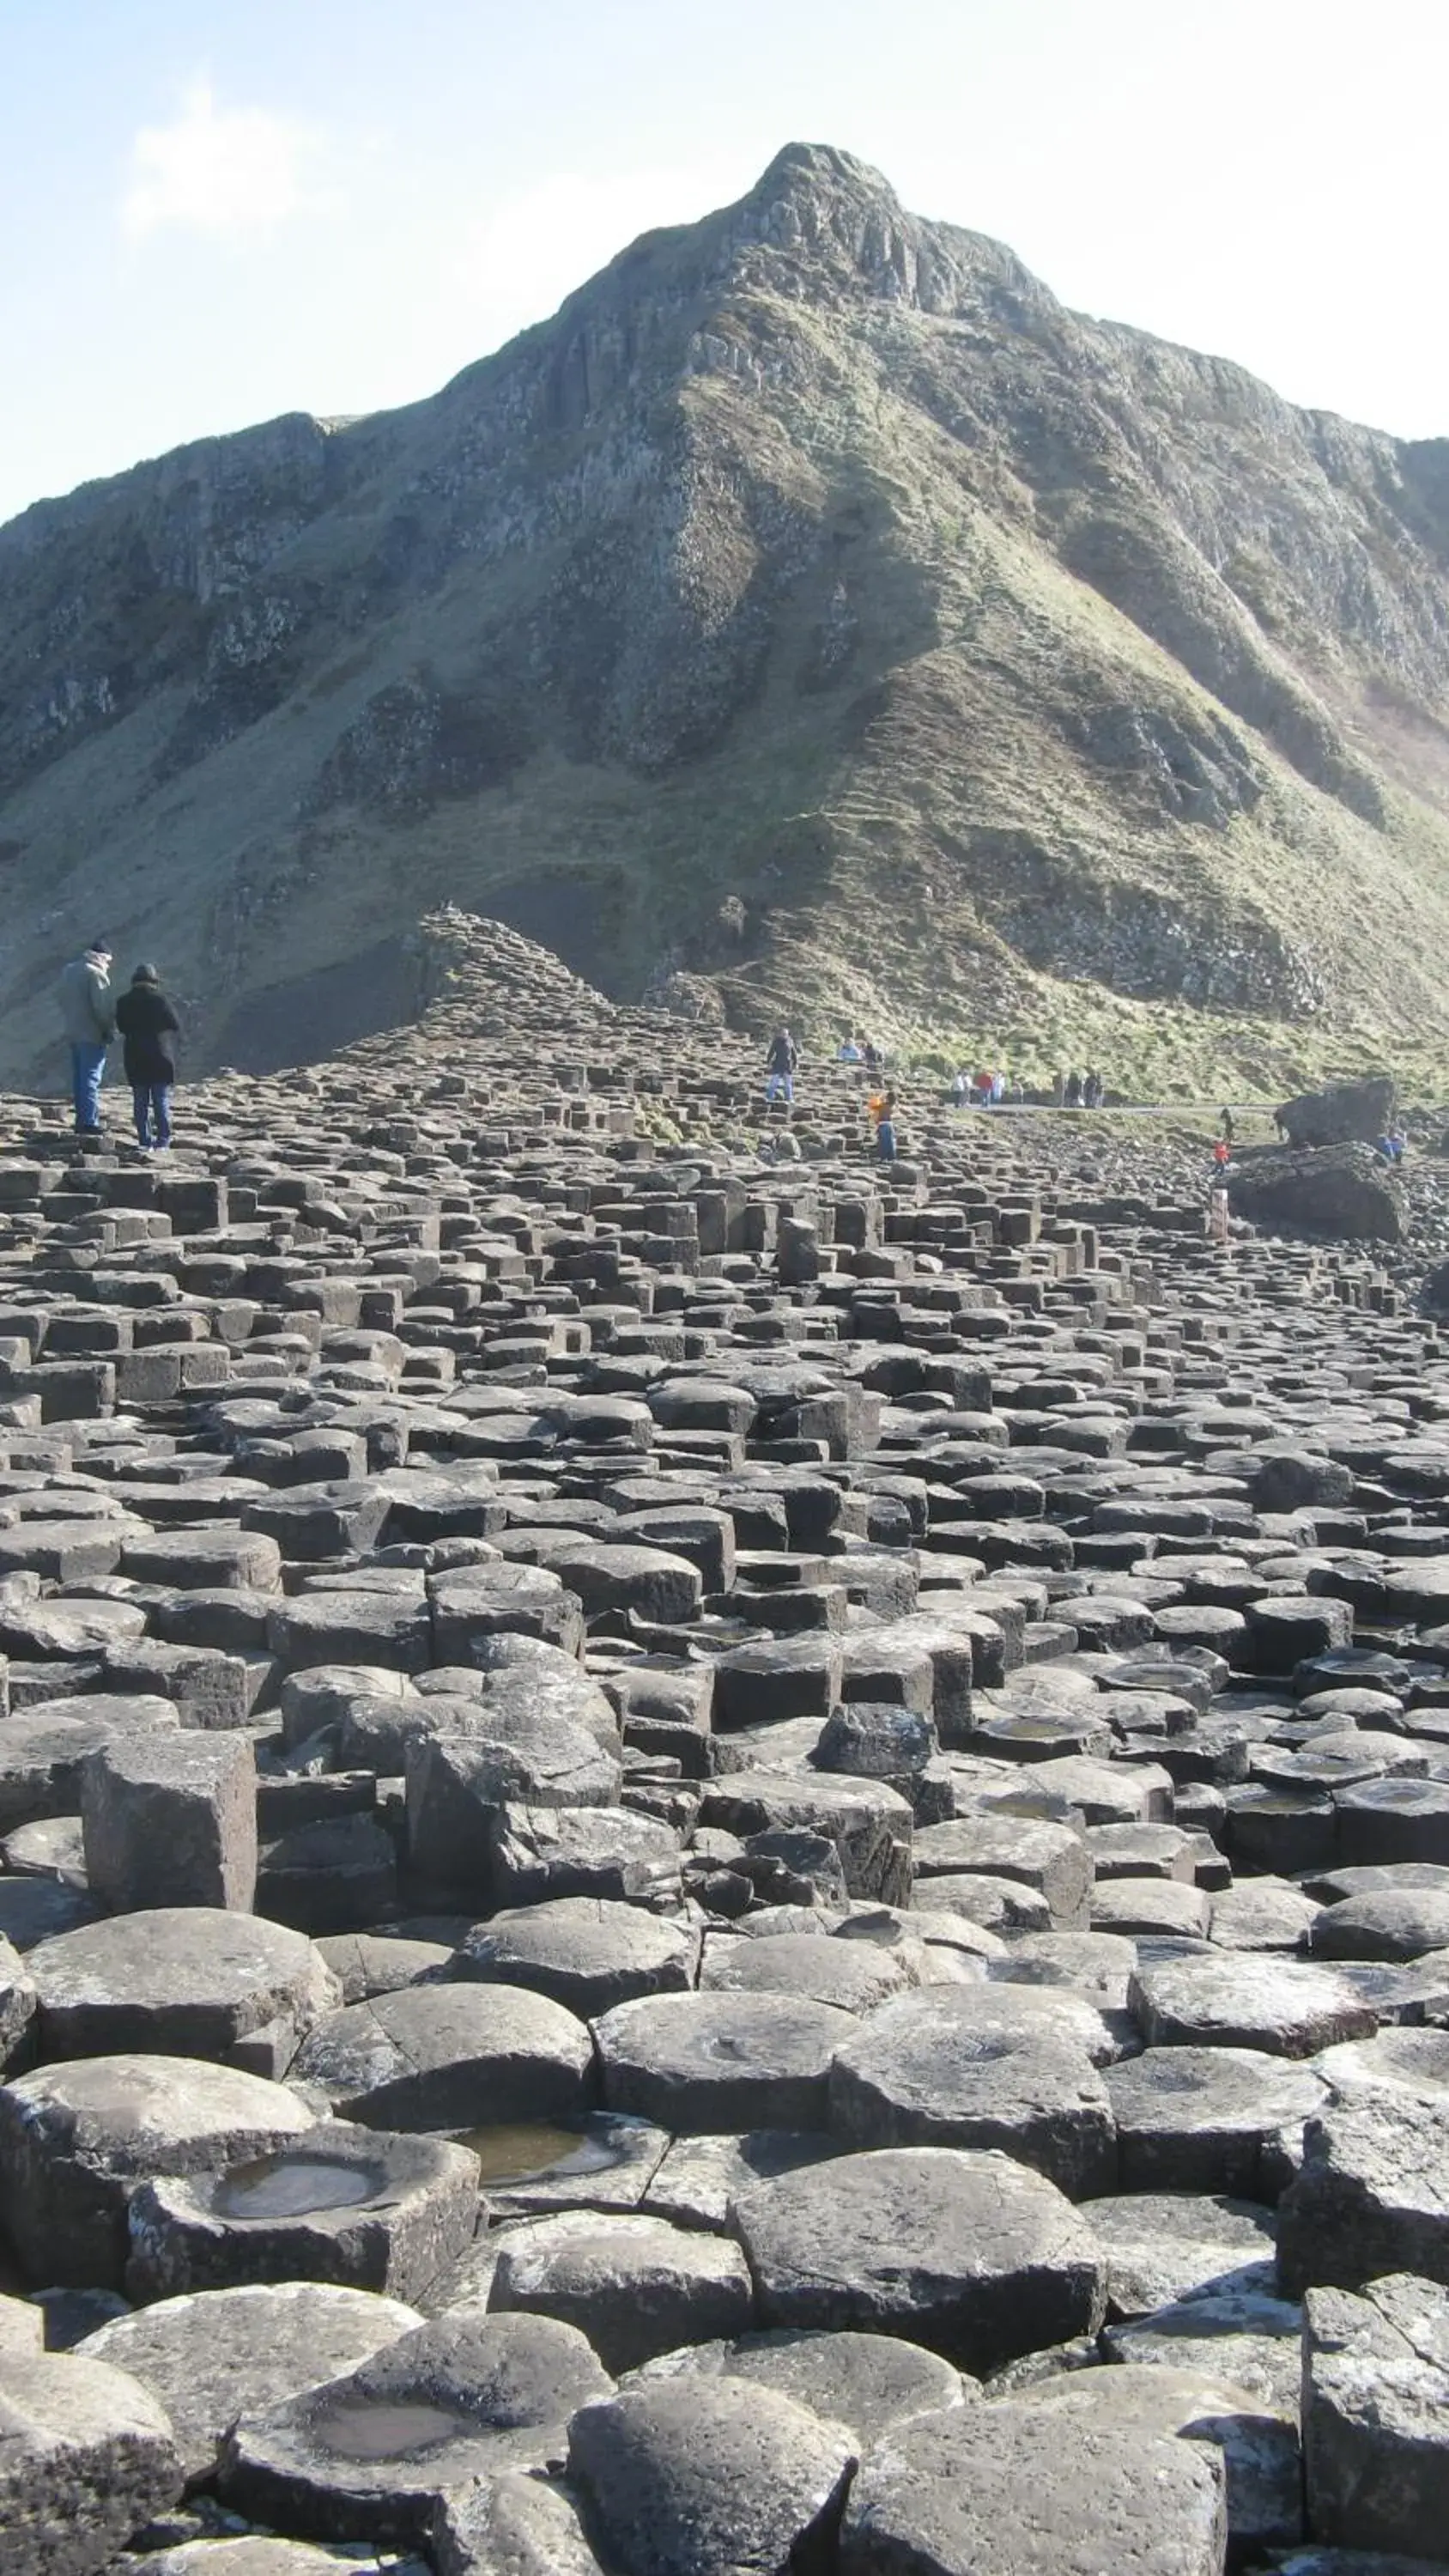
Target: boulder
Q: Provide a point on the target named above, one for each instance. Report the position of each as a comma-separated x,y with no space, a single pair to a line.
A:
983,2066
819,1967
699,2179
1258,2442
1162,2246
510,2524
582,1952
1240,2332
1209,2119
1343,1113
1344,1192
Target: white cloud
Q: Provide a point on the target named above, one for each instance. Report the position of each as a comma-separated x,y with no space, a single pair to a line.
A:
519,262
230,172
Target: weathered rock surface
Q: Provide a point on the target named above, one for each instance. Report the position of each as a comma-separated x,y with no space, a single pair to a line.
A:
87,2456
218,2354
1374,2384
757,2482
373,2454
78,2139
967,2253
1017,2487
349,2205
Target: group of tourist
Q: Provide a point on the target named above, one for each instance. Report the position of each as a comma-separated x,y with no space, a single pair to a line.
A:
142,1017
862,1052
1078,1091
782,1063
981,1090
991,1089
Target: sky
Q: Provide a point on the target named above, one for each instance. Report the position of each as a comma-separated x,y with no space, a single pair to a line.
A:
213,211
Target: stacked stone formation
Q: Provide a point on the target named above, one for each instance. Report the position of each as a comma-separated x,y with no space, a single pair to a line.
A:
707,1857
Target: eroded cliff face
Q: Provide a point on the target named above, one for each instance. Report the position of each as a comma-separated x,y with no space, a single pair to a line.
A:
814,605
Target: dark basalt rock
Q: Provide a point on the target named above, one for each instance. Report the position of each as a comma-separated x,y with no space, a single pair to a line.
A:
1345,1113
876,1793
1346,1193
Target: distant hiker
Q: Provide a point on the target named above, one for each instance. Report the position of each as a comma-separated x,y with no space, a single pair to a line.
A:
1222,1154
872,1058
960,1090
885,1129
1391,1146
996,1090
780,1066
1092,1088
1281,1123
1059,1089
848,1053
90,1024
149,1028
1072,1096
1227,1126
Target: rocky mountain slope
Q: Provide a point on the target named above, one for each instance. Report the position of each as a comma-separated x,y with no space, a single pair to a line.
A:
813,605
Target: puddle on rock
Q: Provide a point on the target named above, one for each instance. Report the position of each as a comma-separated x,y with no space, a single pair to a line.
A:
525,2150
367,2429
289,2186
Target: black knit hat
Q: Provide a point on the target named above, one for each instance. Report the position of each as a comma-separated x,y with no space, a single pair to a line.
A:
145,975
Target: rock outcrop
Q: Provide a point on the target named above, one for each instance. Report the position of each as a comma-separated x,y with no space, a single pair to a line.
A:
1346,1192
1344,1113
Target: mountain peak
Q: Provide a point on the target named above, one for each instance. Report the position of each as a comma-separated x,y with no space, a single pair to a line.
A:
824,169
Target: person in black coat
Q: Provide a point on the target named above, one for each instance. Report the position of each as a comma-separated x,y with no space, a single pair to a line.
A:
780,1065
149,1028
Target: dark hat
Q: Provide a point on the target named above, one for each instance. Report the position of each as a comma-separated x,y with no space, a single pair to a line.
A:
145,975
101,947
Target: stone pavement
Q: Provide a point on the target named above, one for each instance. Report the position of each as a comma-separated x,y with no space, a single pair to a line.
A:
708,1863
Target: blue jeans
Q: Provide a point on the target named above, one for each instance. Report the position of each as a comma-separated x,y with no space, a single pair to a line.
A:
152,1104
87,1068
777,1084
